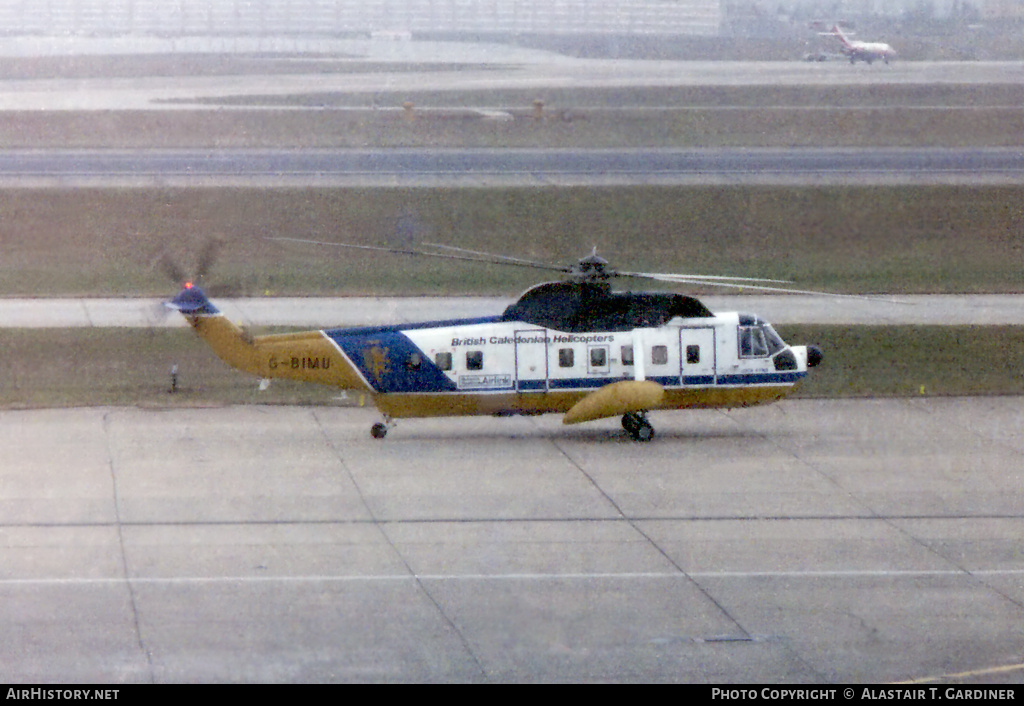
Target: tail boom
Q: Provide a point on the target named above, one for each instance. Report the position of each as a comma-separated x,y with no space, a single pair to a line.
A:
308,356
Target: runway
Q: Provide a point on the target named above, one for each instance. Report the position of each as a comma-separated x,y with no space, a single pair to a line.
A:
848,541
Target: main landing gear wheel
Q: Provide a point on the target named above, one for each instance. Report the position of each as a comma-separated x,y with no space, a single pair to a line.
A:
637,426
379,430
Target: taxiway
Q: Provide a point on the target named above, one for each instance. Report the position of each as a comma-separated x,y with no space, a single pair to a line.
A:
326,312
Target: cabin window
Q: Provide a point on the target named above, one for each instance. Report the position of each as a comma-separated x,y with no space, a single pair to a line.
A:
598,357
474,360
752,342
659,355
443,360
692,355
566,357
414,361
627,355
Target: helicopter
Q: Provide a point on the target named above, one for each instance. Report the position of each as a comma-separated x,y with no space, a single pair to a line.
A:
574,347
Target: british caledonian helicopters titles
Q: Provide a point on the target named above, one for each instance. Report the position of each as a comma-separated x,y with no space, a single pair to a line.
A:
573,347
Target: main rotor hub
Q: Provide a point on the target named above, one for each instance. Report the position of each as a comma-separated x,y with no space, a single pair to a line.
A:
591,268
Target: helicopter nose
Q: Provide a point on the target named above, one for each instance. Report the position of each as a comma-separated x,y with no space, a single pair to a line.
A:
814,356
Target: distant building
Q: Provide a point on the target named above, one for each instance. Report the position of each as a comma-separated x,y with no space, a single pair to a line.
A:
938,9
1002,9
337,17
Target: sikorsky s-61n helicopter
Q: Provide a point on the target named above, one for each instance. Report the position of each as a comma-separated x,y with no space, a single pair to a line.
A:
573,347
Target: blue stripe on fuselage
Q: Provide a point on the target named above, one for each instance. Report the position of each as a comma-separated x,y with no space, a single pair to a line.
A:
761,378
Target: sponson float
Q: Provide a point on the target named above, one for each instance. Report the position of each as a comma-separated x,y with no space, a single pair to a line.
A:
573,347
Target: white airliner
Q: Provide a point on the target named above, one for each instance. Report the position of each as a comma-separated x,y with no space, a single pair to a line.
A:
864,51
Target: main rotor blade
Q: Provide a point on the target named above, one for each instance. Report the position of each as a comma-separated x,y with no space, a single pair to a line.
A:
703,281
671,277
749,283
743,283
489,260
503,259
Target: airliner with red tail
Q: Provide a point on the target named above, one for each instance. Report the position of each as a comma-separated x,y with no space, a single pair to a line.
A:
862,51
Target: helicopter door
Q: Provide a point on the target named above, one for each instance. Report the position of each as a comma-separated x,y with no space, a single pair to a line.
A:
697,355
531,360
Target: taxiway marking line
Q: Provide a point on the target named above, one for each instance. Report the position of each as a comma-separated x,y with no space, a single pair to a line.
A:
984,672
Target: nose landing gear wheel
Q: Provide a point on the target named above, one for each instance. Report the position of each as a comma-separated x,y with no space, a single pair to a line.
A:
637,426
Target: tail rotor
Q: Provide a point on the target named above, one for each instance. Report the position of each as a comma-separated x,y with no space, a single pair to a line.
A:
192,283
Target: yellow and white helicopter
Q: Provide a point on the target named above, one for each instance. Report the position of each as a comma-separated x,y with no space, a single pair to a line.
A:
573,347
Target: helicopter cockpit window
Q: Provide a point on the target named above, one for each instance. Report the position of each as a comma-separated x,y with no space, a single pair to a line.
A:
759,341
443,360
752,342
774,340
474,360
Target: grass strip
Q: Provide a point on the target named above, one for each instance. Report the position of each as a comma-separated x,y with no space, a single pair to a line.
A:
906,361
909,239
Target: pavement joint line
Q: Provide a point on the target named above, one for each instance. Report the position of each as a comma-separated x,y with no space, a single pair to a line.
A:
412,578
